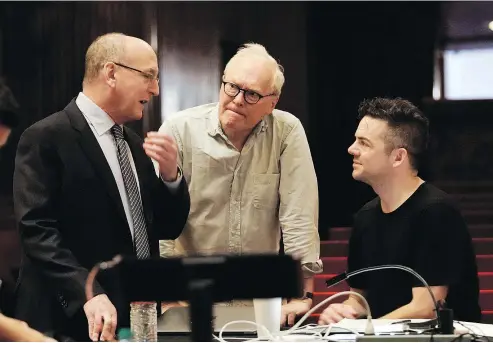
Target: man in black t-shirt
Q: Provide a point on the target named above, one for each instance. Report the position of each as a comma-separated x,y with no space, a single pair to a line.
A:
410,223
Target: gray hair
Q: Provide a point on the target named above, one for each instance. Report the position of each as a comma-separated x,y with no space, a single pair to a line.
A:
255,49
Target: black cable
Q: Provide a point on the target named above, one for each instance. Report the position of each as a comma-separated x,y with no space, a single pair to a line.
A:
475,335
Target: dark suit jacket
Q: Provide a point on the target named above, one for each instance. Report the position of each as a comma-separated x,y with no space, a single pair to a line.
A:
71,217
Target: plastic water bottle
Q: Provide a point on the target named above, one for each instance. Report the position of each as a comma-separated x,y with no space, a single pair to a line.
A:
124,335
143,321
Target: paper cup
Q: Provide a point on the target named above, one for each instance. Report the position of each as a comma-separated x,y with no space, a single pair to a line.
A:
268,314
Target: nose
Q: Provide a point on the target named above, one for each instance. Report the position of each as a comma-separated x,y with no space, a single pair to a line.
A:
154,87
239,99
352,150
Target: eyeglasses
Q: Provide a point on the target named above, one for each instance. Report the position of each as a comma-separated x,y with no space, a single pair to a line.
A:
148,76
250,96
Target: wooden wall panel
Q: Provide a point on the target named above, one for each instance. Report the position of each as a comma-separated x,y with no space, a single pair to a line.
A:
190,36
190,55
43,45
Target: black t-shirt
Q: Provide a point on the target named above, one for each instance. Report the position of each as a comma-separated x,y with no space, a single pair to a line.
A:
428,234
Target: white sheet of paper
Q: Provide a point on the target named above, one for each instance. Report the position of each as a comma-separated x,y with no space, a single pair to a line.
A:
380,325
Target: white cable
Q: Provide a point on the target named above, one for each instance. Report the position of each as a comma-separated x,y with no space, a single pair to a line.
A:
244,322
231,339
302,335
369,330
468,327
271,337
331,326
407,269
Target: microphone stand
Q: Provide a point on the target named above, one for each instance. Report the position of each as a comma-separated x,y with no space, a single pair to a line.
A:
447,328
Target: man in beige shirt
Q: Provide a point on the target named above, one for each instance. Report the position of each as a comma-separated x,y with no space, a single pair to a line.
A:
249,171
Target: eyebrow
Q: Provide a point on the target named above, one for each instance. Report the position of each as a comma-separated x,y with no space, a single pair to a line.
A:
246,88
151,71
253,90
363,139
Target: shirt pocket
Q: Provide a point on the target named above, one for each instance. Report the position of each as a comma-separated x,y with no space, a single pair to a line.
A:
203,169
266,191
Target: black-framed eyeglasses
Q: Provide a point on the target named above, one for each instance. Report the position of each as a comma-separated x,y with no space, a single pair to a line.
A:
148,76
250,96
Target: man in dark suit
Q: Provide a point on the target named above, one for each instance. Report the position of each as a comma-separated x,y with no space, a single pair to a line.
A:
85,190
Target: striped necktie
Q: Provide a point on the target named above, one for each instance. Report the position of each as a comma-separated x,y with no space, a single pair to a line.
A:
140,234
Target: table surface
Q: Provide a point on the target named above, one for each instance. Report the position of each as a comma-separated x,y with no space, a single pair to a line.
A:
173,337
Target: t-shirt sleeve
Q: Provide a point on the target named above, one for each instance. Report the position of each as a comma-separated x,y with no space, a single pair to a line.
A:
355,258
443,246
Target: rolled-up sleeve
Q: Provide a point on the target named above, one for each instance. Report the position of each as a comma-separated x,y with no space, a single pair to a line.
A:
167,247
298,209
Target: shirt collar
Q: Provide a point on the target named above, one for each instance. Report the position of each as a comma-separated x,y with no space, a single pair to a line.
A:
214,126
98,118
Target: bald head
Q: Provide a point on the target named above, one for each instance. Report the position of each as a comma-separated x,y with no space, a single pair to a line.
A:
121,76
111,47
134,44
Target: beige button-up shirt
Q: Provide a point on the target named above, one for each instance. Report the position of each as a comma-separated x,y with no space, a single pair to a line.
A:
241,200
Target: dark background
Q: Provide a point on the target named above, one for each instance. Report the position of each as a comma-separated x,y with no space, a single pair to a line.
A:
335,55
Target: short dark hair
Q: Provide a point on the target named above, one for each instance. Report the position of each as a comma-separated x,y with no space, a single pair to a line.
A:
8,107
408,127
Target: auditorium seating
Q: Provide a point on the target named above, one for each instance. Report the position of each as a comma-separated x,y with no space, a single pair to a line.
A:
476,202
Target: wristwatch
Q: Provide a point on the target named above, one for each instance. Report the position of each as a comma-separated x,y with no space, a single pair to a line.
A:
308,295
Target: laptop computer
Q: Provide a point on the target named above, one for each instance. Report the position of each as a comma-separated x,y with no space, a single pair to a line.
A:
176,320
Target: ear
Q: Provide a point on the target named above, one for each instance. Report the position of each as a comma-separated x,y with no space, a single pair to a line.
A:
109,72
399,156
274,103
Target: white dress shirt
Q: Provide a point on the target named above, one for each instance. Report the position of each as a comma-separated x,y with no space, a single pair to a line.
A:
101,123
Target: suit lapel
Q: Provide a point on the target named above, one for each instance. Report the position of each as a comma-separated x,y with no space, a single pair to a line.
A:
95,154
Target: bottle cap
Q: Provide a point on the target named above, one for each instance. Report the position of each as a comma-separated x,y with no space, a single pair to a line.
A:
124,334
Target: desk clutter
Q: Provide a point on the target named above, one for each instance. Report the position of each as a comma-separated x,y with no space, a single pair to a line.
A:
352,330
238,324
